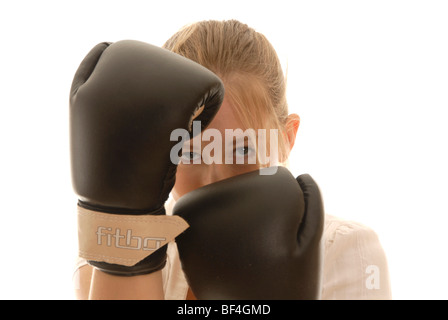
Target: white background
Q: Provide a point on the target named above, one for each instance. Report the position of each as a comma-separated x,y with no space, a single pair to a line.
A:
368,78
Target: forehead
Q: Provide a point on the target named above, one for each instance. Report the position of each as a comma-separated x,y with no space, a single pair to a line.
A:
226,118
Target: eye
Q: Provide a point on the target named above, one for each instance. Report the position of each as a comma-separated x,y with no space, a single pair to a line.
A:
189,157
242,151
244,155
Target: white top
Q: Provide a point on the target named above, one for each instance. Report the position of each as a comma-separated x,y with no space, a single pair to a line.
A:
355,265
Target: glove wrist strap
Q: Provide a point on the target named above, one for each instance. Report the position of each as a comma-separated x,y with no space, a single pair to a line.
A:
124,240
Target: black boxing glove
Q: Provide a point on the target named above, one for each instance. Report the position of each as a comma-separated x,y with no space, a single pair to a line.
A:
126,99
253,236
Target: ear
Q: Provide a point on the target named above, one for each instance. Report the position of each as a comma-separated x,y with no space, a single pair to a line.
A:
292,125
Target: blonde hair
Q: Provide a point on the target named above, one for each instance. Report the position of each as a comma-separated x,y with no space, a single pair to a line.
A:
249,67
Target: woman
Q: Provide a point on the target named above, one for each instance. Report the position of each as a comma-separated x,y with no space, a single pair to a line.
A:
355,265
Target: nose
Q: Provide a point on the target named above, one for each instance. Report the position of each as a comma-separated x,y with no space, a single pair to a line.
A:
214,173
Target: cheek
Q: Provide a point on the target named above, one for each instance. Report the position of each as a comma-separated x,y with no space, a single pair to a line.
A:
186,180
191,177
234,170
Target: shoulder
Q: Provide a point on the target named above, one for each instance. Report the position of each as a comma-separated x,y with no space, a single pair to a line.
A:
337,229
352,253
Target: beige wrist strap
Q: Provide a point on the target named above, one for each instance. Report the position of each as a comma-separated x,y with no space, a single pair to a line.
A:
124,239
